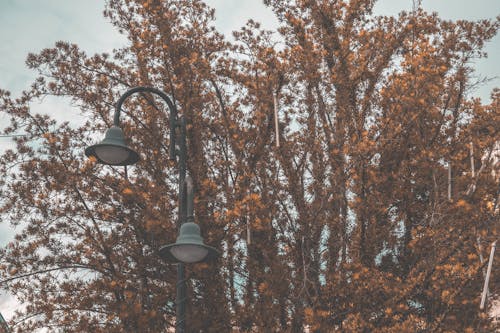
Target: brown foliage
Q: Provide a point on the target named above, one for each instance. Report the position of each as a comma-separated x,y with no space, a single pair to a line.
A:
346,226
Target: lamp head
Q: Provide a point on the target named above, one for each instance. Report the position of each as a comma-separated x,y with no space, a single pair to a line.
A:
113,150
189,247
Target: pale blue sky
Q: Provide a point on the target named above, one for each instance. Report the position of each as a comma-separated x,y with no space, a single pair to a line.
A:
31,25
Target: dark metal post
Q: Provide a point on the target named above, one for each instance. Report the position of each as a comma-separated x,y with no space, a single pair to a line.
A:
180,324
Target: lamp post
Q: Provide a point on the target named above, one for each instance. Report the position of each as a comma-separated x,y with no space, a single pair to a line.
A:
189,247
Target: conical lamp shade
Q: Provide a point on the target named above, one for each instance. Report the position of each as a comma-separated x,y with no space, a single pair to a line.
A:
189,247
113,150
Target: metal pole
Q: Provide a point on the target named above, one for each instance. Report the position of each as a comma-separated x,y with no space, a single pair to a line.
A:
488,273
180,323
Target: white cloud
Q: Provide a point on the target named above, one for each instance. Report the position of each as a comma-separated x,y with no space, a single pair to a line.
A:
8,305
30,26
232,15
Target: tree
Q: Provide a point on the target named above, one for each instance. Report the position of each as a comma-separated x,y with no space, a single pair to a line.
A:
345,226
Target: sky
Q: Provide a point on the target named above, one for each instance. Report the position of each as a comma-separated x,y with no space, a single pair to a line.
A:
30,26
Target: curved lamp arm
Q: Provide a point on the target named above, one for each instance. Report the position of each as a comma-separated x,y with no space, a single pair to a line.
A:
170,104
113,150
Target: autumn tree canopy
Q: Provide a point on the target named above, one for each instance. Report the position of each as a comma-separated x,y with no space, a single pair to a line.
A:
372,214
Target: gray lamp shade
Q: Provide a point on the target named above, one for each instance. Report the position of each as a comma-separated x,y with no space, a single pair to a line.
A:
189,247
113,149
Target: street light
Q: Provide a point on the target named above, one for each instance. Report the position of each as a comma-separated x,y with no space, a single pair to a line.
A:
189,247
113,150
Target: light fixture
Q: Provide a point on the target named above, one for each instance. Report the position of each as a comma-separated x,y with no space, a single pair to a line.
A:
189,247
113,150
